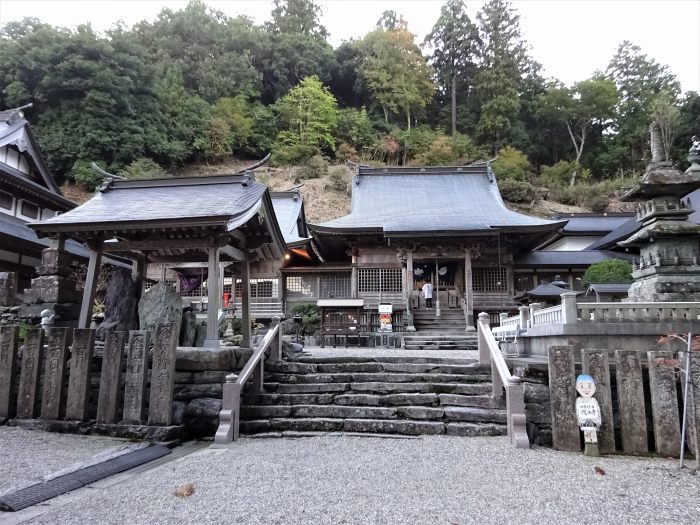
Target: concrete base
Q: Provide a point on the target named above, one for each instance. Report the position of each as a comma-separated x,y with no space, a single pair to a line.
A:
212,343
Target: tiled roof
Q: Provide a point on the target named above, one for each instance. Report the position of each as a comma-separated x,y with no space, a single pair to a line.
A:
430,200
288,206
567,258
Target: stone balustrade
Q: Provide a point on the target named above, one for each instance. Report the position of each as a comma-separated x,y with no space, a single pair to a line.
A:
637,312
547,316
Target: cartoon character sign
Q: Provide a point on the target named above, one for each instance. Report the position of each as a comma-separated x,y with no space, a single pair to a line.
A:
587,408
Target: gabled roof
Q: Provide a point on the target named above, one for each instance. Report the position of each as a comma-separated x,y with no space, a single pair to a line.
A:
289,210
15,131
620,233
429,201
591,223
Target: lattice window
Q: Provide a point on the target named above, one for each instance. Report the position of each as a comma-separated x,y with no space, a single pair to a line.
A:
524,282
303,286
379,280
490,279
335,285
149,284
259,288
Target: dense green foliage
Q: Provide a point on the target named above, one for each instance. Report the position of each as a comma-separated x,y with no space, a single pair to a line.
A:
197,85
610,271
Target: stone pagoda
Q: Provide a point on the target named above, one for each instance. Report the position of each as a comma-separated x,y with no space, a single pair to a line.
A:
668,268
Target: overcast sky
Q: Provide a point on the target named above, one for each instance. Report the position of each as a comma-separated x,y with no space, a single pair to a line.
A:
570,38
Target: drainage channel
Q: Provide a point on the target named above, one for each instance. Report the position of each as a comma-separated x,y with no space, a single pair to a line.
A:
34,494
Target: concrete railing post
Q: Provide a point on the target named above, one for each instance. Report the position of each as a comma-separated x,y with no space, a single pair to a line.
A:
569,314
524,313
484,353
533,308
502,318
276,346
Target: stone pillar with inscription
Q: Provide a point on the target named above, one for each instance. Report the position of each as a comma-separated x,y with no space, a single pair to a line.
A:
8,370
664,402
52,398
562,392
596,364
692,383
630,395
29,376
79,379
136,376
110,378
162,376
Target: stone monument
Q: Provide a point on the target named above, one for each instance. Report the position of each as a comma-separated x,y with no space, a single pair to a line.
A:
668,268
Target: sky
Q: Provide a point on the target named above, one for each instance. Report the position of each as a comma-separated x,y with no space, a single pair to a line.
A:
570,38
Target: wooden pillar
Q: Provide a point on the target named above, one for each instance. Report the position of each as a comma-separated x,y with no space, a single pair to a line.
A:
245,302
138,274
409,290
468,291
212,340
90,285
353,276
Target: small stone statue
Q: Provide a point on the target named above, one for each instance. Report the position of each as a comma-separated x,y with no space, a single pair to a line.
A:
588,413
696,144
47,318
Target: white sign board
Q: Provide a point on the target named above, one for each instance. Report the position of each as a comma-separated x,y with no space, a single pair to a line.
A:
587,412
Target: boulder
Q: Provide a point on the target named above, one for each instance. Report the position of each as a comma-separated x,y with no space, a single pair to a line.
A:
160,304
201,359
120,303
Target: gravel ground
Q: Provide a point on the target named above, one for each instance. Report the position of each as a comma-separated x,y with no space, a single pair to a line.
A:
29,455
436,479
317,351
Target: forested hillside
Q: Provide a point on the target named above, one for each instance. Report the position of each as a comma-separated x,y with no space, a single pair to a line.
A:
197,87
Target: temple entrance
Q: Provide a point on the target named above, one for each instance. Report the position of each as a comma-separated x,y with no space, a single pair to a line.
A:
447,277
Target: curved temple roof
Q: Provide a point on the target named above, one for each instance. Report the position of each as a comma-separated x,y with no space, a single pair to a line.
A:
435,200
289,206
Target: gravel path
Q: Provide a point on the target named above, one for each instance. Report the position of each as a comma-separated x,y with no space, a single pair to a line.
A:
317,351
29,455
348,480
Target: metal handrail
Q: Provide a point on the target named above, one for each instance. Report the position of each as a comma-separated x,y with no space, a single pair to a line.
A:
229,416
502,380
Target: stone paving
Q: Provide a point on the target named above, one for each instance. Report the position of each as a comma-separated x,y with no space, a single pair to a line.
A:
336,479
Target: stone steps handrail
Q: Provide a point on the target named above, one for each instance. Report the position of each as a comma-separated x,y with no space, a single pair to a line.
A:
502,379
229,416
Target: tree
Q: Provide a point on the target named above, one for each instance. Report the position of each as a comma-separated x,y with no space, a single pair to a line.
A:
503,63
610,271
395,72
453,39
586,104
297,17
512,164
308,114
390,20
639,79
667,116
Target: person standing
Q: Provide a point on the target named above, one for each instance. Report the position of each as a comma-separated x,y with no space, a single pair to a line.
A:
428,294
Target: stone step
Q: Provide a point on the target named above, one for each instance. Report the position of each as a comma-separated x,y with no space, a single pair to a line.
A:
423,413
379,388
438,346
420,336
374,426
386,359
290,367
377,377
361,399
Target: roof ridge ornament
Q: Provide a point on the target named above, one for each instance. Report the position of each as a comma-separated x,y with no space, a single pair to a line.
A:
108,178
17,113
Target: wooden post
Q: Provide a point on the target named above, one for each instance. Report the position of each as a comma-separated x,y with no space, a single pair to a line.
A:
90,284
245,302
409,286
212,340
468,289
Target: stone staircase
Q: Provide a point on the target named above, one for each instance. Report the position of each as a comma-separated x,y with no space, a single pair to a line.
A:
447,332
409,396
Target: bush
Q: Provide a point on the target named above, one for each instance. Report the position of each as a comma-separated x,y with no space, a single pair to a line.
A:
85,176
558,174
517,191
439,153
346,152
610,271
465,150
310,317
314,168
143,169
593,196
512,164
339,179
292,154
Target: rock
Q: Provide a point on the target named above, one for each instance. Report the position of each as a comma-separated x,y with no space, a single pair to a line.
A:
203,408
410,399
475,429
201,359
411,428
421,412
210,376
188,330
179,408
160,304
191,392
120,303
242,356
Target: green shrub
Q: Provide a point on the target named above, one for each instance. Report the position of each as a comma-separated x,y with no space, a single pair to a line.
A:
85,176
465,150
143,168
314,168
610,271
310,317
558,174
339,179
593,196
517,191
291,154
439,153
512,164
